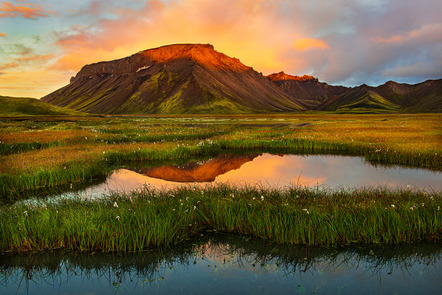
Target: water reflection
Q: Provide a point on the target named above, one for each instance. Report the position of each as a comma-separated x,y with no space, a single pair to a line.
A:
274,171
226,264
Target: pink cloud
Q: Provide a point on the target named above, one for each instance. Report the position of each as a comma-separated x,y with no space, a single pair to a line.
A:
3,34
424,33
26,10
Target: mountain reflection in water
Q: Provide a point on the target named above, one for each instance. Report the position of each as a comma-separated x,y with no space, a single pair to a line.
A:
275,171
206,171
220,264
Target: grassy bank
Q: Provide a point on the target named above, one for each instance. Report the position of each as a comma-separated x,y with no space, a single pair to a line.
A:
43,153
158,218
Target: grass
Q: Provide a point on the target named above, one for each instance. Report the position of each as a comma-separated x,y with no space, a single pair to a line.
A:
24,106
152,218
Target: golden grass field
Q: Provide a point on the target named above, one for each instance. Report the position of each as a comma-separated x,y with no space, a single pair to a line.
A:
84,139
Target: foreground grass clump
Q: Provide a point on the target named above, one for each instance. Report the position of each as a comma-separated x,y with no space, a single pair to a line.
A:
153,218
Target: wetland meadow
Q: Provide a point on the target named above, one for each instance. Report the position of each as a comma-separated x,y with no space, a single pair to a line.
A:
56,195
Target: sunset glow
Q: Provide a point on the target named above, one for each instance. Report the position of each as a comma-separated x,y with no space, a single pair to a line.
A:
44,43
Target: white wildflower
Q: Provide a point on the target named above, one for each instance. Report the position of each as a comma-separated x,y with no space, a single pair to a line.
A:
262,198
118,218
392,205
115,205
25,213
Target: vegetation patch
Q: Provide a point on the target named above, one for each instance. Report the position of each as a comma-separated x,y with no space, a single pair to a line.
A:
152,218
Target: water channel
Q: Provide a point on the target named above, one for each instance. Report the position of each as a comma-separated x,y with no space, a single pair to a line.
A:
220,264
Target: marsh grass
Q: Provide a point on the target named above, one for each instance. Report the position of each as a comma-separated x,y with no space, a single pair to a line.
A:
13,148
152,218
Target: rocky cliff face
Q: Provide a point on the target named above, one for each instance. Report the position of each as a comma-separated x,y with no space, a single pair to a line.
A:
281,76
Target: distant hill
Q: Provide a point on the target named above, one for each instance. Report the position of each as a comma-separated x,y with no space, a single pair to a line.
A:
195,78
183,78
24,106
306,89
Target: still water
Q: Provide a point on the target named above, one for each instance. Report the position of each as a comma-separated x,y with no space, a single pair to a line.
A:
218,264
269,171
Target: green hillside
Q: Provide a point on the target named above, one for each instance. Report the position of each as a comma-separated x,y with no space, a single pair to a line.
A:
26,106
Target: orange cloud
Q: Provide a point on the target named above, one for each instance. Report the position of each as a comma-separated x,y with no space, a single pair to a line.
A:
310,43
238,28
3,34
8,66
26,10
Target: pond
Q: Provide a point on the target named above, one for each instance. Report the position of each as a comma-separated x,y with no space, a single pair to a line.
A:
268,171
221,264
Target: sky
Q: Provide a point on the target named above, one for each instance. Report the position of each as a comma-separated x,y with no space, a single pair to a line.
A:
347,42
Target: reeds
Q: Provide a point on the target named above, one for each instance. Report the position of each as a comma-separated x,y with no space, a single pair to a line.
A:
152,218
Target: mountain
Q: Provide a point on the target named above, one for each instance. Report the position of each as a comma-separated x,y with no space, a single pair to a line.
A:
389,97
25,106
181,78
